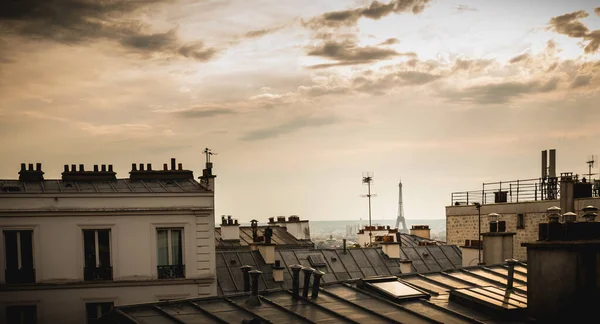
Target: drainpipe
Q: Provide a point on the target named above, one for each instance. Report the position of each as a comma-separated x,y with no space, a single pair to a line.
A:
245,270
511,273
296,280
307,272
316,282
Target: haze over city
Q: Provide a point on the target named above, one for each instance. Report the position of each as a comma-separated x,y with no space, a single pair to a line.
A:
299,100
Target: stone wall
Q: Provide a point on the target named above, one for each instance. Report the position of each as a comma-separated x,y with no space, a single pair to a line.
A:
461,221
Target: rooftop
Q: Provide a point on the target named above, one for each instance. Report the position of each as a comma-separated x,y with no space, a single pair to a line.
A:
471,295
281,237
118,185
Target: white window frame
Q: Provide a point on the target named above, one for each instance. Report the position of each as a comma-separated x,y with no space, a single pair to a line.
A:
154,227
170,243
34,244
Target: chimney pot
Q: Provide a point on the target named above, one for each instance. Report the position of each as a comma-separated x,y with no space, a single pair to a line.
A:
30,166
103,167
66,168
96,167
141,166
165,167
223,221
307,272
180,166
245,269
511,272
553,214
254,274
296,280
133,167
569,217
235,222
344,245
81,168
38,167
149,167
110,168
23,167
172,163
73,168
316,282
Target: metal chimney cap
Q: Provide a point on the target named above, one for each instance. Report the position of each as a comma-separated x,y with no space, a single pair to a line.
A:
296,267
511,261
255,272
553,209
569,214
318,273
245,268
590,208
493,217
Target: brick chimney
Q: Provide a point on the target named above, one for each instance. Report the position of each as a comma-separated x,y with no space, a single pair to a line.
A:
421,231
497,243
31,174
230,229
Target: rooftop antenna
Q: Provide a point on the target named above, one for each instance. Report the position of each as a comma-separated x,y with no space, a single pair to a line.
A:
367,179
591,160
208,152
400,218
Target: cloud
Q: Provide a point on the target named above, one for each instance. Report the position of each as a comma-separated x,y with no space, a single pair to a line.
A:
519,58
597,11
501,92
376,10
581,81
202,112
262,32
349,53
390,41
80,21
463,8
291,126
569,25
471,65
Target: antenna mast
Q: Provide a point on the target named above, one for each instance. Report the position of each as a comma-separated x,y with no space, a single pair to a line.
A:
590,162
400,218
368,179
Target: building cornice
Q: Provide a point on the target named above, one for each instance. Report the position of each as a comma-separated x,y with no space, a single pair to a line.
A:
109,284
105,194
112,211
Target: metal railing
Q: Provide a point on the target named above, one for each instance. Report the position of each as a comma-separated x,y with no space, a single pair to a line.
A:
97,273
19,276
510,192
171,271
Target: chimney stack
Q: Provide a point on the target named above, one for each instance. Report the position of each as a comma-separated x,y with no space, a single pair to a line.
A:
307,272
421,231
173,164
511,273
230,229
497,245
344,245
278,271
316,282
31,174
296,280
405,266
254,299
246,276
590,213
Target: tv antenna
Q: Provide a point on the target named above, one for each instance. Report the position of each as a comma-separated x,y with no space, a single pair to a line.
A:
591,160
367,179
208,152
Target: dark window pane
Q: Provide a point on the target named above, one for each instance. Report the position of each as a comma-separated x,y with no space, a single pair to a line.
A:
96,310
176,249
163,248
21,314
104,247
26,249
89,248
10,243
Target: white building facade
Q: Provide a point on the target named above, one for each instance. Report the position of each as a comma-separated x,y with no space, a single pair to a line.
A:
73,248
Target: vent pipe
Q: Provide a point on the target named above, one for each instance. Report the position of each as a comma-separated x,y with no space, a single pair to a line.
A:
254,274
246,275
590,213
344,245
511,273
316,282
296,280
307,272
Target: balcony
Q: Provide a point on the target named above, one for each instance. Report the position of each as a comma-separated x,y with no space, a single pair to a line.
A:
171,271
19,276
97,274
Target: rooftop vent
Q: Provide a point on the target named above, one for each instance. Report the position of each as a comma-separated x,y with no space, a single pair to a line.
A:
31,174
316,260
103,174
175,173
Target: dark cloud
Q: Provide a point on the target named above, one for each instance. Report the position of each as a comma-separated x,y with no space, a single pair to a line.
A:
463,8
291,126
376,10
262,32
390,41
348,53
198,52
203,112
569,24
80,21
597,11
380,84
519,58
501,93
581,81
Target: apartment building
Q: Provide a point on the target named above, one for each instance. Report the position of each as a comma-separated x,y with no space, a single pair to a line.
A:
75,247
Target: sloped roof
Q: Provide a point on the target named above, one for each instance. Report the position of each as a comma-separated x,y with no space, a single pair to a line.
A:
339,266
119,185
281,237
377,300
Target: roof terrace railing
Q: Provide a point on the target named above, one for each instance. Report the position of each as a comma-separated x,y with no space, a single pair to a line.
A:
510,192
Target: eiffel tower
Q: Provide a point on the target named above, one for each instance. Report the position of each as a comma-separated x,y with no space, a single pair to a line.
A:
400,218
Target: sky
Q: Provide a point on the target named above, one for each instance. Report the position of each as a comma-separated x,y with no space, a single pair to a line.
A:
299,99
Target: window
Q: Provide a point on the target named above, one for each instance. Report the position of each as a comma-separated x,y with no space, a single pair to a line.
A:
520,221
96,252
21,314
170,253
19,257
96,310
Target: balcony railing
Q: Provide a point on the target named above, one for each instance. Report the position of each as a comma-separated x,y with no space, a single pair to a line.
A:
510,192
19,276
97,273
171,271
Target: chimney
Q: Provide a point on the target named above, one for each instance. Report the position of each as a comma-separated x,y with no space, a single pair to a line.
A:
562,271
245,269
296,280
230,230
173,162
316,283
567,192
391,249
344,245
81,168
254,299
280,219
30,174
421,231
497,246
133,167
30,166
307,272
590,213
165,167
405,266
278,271
300,229
141,166
149,167
569,217
511,273
271,220
267,251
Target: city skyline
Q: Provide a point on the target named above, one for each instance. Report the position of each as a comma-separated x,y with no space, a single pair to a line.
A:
298,102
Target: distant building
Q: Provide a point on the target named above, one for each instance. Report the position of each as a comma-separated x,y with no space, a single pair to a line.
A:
72,248
521,205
